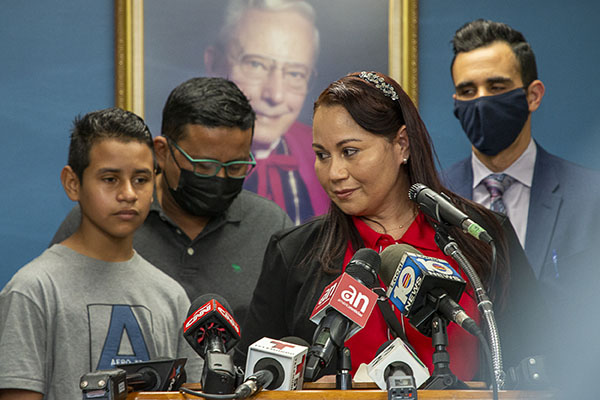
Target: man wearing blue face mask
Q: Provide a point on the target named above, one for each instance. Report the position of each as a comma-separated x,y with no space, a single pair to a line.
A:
552,203
203,229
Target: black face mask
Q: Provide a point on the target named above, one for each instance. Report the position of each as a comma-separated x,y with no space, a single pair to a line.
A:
205,197
492,123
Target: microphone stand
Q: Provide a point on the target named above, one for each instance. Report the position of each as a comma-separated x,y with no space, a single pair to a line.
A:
343,379
442,377
447,244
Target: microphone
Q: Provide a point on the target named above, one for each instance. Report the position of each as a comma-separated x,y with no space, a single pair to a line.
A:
156,375
211,331
440,208
395,359
419,286
273,365
295,340
343,309
107,384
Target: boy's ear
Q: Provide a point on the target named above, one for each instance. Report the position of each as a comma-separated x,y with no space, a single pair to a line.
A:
70,182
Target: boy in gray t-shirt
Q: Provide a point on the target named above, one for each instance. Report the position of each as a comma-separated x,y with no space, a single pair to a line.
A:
91,302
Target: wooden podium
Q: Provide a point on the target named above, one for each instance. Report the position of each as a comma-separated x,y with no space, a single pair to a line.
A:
361,391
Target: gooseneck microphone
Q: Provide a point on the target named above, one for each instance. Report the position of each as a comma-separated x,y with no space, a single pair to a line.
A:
440,208
447,244
343,309
211,331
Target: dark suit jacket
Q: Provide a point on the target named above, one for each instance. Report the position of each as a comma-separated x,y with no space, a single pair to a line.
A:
564,220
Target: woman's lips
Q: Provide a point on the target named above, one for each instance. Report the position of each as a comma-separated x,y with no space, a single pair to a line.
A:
344,194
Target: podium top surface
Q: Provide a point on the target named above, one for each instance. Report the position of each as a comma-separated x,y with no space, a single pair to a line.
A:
314,391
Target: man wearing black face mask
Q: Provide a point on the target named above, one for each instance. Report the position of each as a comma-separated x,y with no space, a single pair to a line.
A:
203,229
552,203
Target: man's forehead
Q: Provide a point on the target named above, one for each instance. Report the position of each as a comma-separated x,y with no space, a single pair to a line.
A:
193,132
490,80
495,61
198,139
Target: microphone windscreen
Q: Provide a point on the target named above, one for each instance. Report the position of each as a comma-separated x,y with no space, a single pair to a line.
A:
414,190
390,259
364,267
210,312
272,365
383,346
295,340
205,298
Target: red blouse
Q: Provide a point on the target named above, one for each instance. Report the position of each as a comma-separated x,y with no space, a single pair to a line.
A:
463,347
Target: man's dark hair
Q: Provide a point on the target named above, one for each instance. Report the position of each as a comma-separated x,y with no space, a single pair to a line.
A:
110,123
481,33
210,102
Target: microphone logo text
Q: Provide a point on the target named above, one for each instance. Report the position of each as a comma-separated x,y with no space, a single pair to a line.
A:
327,294
205,309
355,299
229,318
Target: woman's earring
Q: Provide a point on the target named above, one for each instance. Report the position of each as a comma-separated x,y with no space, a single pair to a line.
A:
405,161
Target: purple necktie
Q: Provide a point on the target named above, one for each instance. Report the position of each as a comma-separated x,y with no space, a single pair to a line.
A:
496,184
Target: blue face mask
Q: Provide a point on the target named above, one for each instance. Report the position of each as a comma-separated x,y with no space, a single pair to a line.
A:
492,123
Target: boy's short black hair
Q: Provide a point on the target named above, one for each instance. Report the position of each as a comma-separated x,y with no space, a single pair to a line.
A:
210,102
110,123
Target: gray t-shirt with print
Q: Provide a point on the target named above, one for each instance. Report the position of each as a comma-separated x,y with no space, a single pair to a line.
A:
65,314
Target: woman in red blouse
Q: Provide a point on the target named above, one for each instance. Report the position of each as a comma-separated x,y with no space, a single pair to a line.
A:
371,146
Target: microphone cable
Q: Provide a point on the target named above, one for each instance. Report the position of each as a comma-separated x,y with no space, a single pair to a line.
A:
208,395
251,386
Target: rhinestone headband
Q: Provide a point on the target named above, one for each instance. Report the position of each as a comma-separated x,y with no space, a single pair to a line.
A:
379,83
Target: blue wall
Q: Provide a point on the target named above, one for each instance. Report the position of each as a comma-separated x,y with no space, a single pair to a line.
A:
57,62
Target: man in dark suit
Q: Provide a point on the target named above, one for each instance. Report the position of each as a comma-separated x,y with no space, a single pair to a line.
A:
552,203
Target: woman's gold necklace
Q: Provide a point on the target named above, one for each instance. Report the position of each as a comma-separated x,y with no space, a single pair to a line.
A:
398,228
408,222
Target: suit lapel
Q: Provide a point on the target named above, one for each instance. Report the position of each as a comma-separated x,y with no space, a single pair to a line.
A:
544,204
459,179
